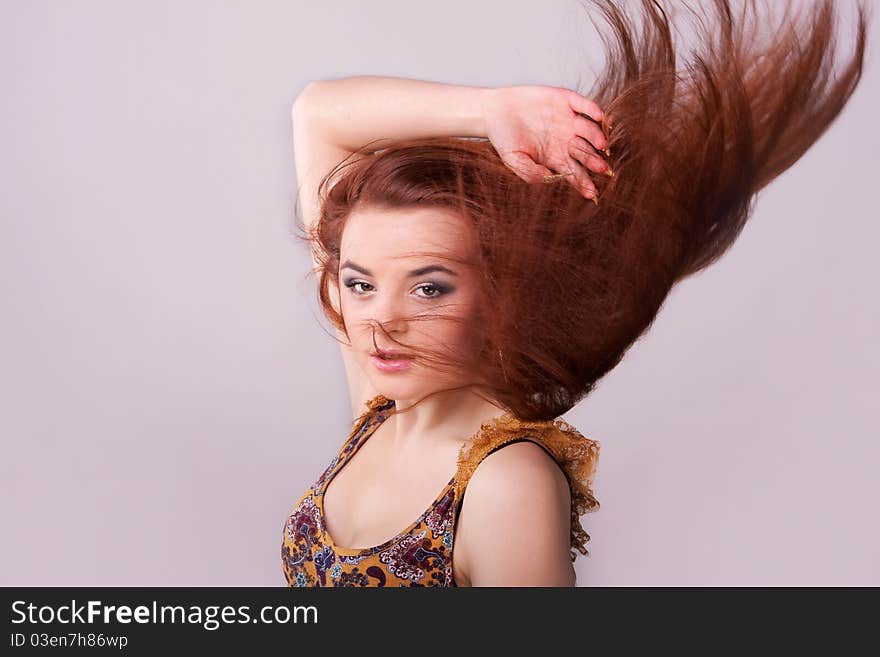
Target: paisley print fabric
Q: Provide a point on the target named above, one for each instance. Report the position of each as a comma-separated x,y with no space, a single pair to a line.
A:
421,554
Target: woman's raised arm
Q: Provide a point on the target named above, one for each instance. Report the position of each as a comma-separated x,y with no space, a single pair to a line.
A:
351,112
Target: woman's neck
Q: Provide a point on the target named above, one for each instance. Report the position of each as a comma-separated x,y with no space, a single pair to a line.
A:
454,415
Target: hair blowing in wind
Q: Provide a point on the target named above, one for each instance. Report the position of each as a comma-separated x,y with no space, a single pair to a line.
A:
569,285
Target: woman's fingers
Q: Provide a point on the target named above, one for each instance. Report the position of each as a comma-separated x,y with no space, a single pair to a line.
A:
581,180
590,131
571,169
584,105
586,155
576,175
525,167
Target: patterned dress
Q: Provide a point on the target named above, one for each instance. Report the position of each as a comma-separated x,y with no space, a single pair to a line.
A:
421,554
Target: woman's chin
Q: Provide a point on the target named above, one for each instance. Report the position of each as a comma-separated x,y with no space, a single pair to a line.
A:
393,388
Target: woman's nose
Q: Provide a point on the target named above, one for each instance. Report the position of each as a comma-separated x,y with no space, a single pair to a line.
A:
391,315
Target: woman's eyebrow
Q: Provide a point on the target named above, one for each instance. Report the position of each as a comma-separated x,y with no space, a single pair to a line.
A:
421,271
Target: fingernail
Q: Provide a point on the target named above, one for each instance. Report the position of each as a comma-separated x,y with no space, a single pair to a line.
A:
593,198
607,151
608,172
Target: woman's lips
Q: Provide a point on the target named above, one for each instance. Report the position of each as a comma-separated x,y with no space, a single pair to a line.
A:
391,364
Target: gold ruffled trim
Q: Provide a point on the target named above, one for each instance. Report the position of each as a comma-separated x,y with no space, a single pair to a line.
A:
576,454
376,402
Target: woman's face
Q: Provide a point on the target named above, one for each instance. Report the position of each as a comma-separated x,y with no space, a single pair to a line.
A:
408,263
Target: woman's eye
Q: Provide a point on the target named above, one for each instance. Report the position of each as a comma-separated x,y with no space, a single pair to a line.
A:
352,284
436,290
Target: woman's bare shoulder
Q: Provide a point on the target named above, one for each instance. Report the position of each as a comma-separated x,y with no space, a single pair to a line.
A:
517,505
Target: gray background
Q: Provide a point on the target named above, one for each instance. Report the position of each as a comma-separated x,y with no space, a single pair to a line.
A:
169,389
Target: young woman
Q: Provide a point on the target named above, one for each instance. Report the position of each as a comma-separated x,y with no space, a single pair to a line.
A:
486,255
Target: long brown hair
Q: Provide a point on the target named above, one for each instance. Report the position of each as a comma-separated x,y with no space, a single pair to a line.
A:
567,285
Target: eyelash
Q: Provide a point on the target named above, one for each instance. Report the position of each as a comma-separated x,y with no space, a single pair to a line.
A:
440,289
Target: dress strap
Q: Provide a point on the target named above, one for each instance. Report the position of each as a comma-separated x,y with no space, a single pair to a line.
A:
364,422
576,455
374,406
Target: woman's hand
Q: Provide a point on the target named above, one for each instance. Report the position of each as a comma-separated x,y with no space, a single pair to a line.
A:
540,131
